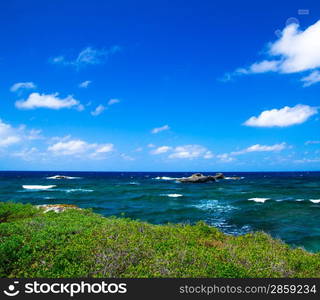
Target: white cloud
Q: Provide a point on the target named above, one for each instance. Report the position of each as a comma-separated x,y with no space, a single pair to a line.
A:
87,56
160,150
113,101
10,135
312,142
225,157
22,85
307,160
151,145
311,79
51,101
261,148
80,148
284,117
159,129
85,84
9,140
126,157
29,154
99,110
191,152
295,51
260,67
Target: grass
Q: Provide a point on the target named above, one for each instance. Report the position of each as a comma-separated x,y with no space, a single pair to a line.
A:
79,243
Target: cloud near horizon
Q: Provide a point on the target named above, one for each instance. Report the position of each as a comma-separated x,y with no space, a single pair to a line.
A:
183,152
294,52
50,101
10,135
284,117
229,157
78,147
262,148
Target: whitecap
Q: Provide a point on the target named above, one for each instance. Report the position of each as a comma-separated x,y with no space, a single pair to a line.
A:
62,177
78,190
259,200
165,178
299,200
213,205
172,195
315,200
134,183
38,187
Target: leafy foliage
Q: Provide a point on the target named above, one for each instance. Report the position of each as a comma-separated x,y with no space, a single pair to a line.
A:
79,243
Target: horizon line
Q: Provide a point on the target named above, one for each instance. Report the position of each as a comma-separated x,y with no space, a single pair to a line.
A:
56,171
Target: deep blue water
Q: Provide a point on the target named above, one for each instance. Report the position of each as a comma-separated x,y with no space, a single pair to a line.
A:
288,214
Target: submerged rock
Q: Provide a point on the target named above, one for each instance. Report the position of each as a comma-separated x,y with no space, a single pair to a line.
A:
57,207
58,177
200,178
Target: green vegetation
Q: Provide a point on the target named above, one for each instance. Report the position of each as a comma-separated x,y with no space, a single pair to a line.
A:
79,243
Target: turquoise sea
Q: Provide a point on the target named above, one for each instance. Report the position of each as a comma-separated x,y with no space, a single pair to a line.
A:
284,204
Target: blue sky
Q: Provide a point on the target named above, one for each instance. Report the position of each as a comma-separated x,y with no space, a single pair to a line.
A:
161,86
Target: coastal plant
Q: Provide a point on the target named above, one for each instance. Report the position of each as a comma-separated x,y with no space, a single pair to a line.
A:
80,243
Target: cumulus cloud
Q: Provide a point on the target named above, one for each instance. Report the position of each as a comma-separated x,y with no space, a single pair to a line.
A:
98,110
22,85
85,84
284,117
10,135
50,101
191,152
159,129
160,150
87,56
79,148
295,51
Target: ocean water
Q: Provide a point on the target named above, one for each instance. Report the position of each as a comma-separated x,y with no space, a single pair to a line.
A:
286,204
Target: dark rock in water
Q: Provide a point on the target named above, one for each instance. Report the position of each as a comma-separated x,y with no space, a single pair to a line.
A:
219,176
200,178
59,177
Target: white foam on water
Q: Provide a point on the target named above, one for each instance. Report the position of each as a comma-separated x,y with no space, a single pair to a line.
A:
165,178
299,200
78,190
134,183
172,195
64,177
213,205
259,200
315,200
38,187
233,178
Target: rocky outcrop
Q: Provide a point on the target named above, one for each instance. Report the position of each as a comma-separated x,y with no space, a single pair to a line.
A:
57,207
200,178
58,177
